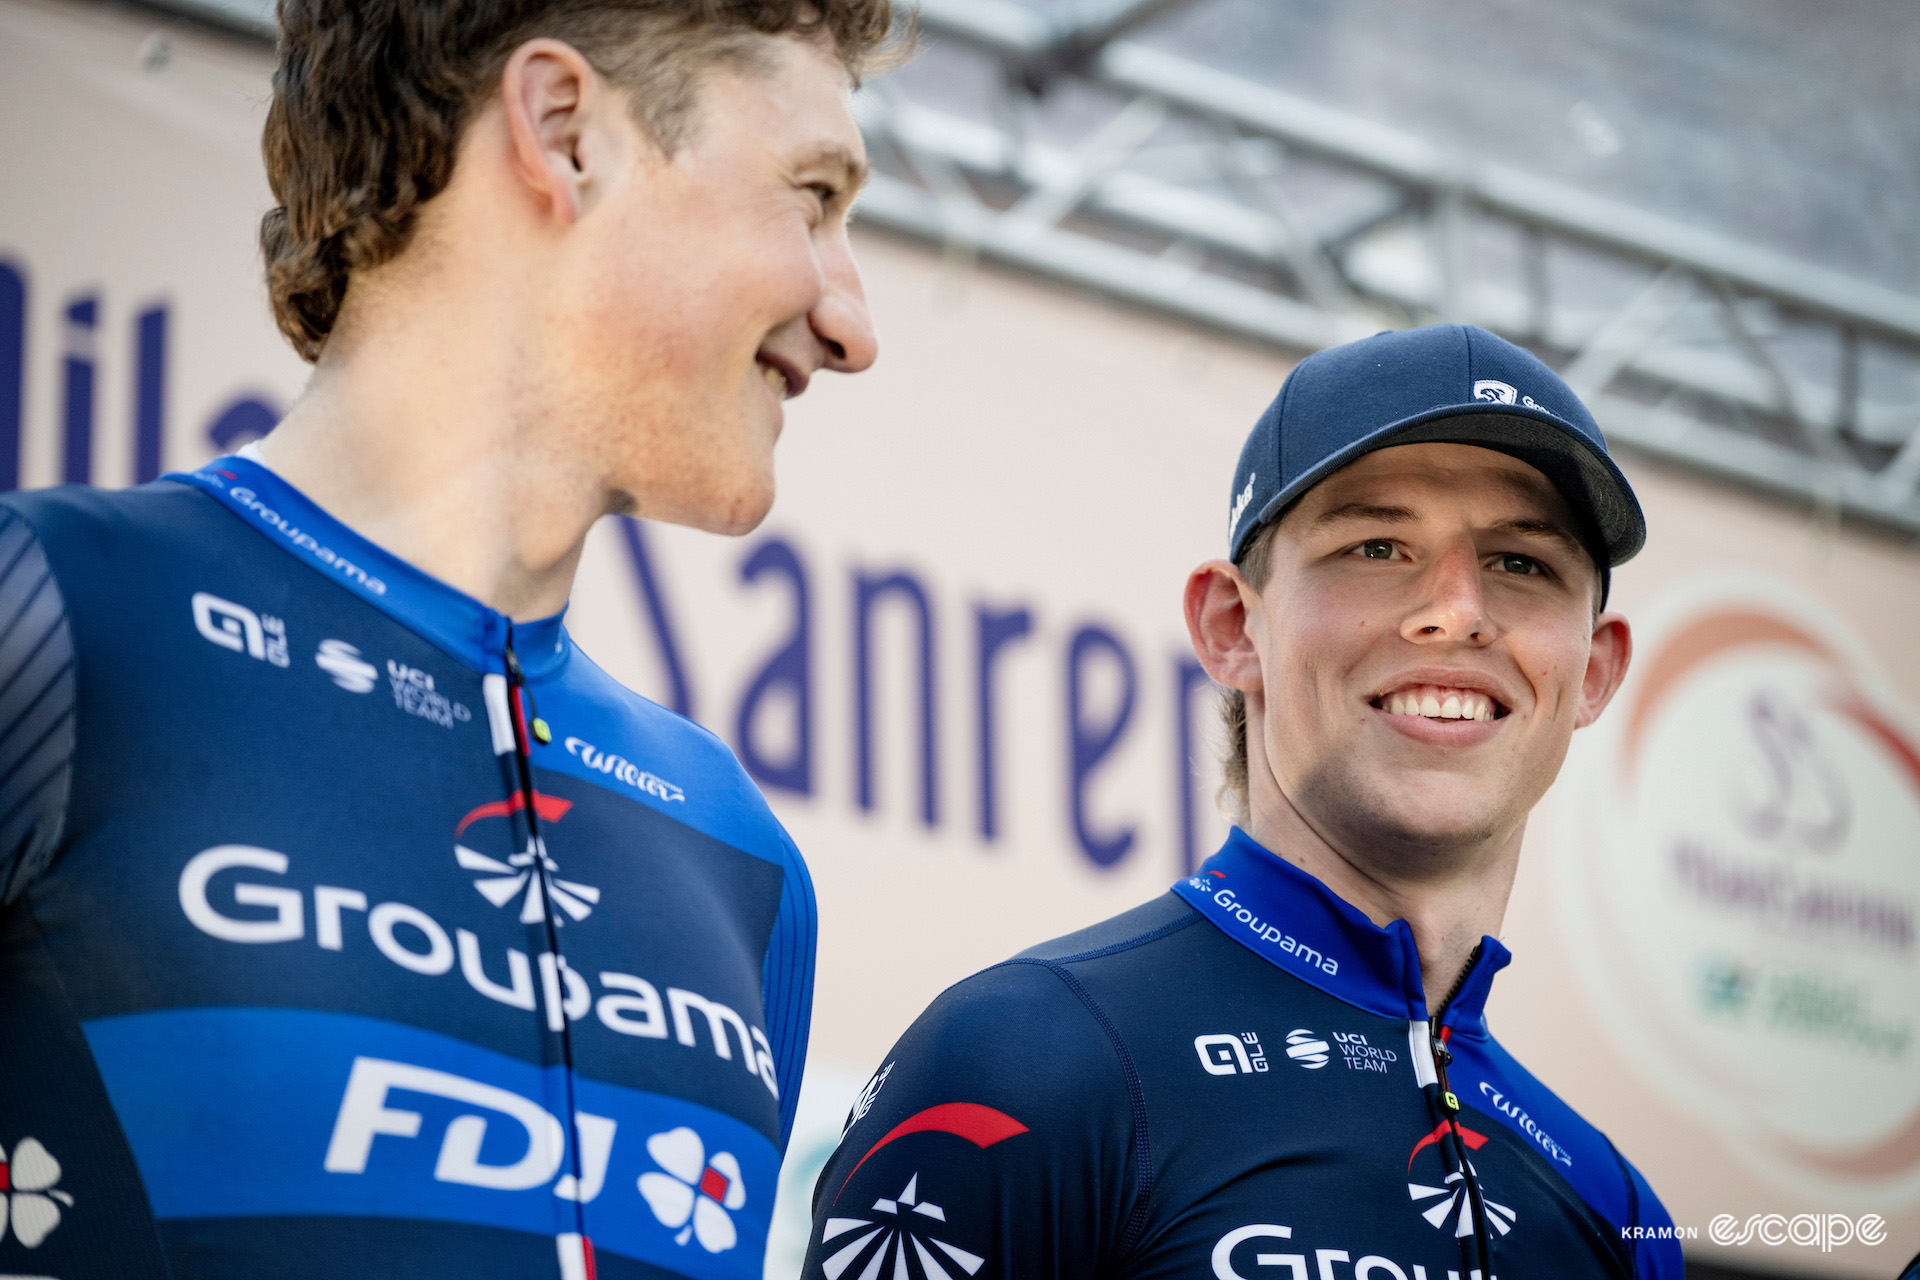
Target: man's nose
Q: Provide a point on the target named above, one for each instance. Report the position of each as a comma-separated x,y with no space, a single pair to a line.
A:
840,319
1453,605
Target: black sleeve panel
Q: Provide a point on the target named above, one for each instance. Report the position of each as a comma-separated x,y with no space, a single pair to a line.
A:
1002,1137
36,708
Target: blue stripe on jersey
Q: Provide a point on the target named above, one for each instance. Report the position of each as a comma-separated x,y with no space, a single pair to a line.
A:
284,1113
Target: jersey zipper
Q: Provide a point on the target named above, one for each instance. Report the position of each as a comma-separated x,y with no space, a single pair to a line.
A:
528,728
1450,1106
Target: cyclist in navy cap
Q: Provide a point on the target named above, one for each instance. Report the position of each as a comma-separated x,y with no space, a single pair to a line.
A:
1282,1067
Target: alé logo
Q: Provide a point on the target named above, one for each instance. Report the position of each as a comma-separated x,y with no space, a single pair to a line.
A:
1231,1055
236,627
691,1192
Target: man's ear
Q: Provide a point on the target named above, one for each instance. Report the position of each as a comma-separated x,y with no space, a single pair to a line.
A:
1218,602
551,96
1606,666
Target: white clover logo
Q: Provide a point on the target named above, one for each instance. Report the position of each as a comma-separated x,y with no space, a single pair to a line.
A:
694,1193
27,1194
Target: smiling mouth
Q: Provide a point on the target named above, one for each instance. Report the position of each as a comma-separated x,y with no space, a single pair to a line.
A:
1440,702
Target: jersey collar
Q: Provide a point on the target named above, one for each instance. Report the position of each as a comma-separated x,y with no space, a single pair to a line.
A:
1298,925
452,620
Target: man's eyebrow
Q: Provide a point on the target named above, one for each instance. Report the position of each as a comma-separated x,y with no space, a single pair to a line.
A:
1352,511
852,173
1552,530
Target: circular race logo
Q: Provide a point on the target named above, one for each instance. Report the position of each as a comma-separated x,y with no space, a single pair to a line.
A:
1737,864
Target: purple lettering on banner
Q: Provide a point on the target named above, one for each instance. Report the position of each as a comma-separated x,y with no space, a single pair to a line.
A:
1089,744
149,393
13,369
788,670
245,419
995,629
680,688
867,592
82,320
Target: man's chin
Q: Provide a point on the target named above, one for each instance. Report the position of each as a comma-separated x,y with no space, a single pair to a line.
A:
1424,828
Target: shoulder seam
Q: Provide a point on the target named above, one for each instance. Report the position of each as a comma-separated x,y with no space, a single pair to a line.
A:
1633,1203
1152,935
1136,1096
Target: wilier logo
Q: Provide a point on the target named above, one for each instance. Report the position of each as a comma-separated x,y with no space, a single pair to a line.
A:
1228,1055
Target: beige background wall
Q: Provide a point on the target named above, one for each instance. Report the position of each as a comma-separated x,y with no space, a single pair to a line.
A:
1020,445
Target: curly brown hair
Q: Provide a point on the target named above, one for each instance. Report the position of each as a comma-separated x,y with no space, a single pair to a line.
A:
371,96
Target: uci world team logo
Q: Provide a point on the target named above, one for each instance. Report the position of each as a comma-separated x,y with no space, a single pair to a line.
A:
529,875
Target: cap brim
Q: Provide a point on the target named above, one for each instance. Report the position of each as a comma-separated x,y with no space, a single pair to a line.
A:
1585,476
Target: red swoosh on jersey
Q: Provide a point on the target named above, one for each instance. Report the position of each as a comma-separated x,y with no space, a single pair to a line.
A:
550,809
1474,1141
982,1126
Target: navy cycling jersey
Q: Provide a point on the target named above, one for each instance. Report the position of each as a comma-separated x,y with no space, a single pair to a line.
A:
349,929
1237,1080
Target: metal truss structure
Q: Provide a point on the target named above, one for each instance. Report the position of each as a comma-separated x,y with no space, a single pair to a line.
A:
1102,161
1110,164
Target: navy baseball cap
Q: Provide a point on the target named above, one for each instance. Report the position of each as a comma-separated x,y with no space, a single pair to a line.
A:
1453,384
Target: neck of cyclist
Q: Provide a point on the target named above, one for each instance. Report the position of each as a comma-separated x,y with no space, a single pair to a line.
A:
1450,897
423,430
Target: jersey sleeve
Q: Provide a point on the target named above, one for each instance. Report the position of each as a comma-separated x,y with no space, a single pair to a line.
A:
1656,1254
36,708
787,985
997,1140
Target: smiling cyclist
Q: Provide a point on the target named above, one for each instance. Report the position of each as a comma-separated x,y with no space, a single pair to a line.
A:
1282,1068
352,922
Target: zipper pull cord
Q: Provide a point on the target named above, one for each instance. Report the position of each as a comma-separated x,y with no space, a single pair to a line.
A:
537,728
1450,1104
523,759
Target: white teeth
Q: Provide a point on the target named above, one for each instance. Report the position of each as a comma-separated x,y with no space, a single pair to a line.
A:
1454,706
775,379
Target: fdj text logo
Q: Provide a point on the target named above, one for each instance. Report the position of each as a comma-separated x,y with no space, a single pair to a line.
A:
696,1196
1226,1055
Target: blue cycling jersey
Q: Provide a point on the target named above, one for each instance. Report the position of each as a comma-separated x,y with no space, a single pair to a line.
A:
348,928
1238,1080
